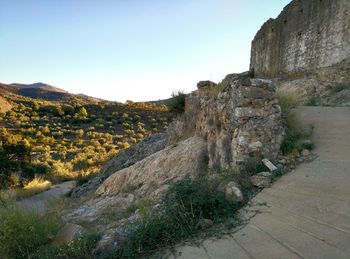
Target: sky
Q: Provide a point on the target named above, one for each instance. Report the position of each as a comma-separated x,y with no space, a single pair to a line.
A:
122,50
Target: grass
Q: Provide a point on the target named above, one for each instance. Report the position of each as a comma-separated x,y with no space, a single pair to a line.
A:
22,232
80,247
28,234
176,219
312,101
33,187
286,100
293,139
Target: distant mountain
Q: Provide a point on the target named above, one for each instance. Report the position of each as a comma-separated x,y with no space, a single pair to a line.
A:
42,86
42,91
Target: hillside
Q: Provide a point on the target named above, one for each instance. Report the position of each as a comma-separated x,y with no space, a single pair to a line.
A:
43,92
65,136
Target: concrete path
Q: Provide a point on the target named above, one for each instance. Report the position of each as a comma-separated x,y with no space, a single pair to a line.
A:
306,213
41,201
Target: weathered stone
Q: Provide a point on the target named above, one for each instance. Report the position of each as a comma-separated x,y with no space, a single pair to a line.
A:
307,54
260,181
173,163
68,233
233,193
269,165
146,147
236,130
205,223
204,84
305,152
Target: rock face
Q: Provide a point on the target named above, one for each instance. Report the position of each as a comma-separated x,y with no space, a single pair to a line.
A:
306,47
147,179
150,176
240,119
146,147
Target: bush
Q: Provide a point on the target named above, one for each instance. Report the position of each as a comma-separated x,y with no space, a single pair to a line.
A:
177,102
78,248
286,100
311,101
185,204
22,232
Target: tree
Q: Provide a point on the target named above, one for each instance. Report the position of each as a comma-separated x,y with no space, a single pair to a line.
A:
82,114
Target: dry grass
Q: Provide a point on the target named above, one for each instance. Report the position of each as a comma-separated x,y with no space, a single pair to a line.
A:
287,100
35,186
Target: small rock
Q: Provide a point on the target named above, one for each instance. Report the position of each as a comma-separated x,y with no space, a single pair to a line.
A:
109,241
295,153
205,223
265,174
233,193
68,233
282,161
260,181
269,165
305,152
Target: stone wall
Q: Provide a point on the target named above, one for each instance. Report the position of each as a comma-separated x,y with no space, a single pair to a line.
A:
307,35
239,119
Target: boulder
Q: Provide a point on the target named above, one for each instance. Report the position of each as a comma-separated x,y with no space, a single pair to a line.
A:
146,179
261,180
186,159
233,193
68,233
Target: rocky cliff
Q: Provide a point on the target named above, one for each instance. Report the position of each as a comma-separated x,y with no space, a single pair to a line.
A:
308,42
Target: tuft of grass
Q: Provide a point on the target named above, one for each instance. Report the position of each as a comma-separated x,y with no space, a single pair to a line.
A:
22,232
286,100
80,247
312,101
293,138
176,219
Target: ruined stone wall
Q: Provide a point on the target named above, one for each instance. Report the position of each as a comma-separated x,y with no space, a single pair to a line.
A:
307,35
239,118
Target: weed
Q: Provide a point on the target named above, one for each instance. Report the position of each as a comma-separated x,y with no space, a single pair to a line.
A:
177,102
311,101
22,232
80,247
287,100
186,202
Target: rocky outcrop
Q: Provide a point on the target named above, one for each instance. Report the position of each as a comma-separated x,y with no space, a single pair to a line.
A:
306,47
147,179
145,148
240,119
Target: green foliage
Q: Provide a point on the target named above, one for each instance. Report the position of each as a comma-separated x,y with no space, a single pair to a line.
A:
312,101
80,247
286,100
289,142
177,102
177,217
23,232
66,140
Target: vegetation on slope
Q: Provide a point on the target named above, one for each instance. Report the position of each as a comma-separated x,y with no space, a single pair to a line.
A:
61,141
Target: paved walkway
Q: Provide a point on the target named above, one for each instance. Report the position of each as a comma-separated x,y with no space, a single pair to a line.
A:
41,201
306,213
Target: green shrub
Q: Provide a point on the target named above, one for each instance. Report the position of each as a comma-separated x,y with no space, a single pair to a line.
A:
290,142
286,100
80,247
177,217
312,101
22,232
177,102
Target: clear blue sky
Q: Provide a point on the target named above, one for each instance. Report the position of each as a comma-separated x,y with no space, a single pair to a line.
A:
128,49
